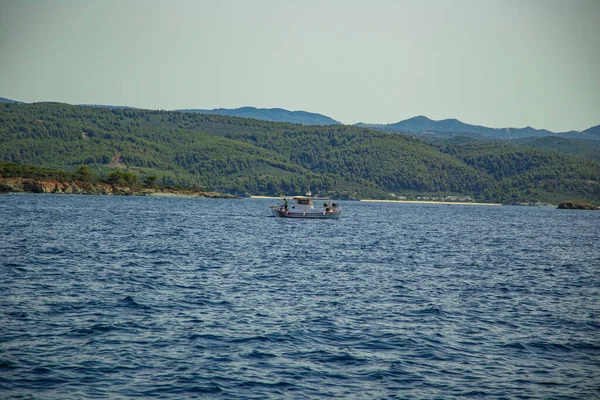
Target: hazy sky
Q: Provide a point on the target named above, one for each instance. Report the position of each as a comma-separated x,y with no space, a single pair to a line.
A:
496,63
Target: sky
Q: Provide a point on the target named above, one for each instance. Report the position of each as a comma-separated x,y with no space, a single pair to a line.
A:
505,63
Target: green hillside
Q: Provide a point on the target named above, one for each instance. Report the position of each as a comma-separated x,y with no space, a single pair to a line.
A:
247,156
583,148
530,173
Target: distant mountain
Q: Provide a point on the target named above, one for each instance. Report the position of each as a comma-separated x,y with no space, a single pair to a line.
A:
271,114
448,128
593,131
110,107
422,124
4,100
250,156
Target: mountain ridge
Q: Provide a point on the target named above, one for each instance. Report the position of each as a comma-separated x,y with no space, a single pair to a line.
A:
451,127
248,156
593,131
5,100
420,125
270,114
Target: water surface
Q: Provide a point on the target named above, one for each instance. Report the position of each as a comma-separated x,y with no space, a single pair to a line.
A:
118,297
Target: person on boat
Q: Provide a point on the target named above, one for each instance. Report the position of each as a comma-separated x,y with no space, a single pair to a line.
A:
285,204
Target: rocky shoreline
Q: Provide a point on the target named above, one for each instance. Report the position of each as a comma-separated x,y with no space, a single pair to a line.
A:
577,205
26,185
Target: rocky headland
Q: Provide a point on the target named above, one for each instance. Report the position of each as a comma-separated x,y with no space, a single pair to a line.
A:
577,205
27,185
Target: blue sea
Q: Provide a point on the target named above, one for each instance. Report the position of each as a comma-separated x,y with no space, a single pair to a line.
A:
171,298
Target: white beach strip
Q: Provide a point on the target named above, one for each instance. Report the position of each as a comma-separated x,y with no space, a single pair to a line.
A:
430,202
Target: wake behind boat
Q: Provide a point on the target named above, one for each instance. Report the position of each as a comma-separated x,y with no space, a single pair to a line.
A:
305,207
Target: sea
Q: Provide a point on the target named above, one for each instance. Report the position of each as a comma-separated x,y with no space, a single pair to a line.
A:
107,297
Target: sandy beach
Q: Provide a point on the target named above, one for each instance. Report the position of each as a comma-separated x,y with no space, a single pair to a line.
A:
431,202
266,197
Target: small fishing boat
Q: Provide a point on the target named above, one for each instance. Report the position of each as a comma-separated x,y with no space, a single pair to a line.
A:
307,207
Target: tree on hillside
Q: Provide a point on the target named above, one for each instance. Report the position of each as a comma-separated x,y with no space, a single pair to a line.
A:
151,181
123,178
84,174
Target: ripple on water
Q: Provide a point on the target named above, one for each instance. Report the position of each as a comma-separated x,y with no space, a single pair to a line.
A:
172,298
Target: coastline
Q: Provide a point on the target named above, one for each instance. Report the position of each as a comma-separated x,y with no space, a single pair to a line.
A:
402,201
27,185
430,202
265,197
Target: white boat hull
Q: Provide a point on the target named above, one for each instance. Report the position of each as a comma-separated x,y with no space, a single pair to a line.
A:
281,212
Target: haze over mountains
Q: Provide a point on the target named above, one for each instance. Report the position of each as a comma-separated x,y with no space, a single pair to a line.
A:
419,126
246,156
416,126
271,114
447,128
5,100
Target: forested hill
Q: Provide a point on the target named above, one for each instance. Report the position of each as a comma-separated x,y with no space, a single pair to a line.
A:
583,148
271,114
446,128
248,156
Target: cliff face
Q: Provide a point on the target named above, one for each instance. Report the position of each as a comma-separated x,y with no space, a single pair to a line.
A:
18,185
